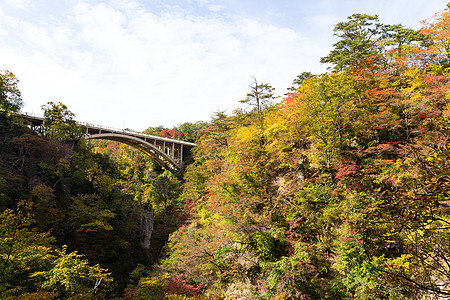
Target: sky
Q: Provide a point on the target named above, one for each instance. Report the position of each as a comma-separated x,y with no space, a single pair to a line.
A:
143,63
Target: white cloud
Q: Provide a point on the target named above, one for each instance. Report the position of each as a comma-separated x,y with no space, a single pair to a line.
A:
19,4
121,62
118,63
216,7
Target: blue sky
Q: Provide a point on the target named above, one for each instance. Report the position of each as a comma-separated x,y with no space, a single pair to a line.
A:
141,63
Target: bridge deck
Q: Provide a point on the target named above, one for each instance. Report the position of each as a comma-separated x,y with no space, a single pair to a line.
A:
168,152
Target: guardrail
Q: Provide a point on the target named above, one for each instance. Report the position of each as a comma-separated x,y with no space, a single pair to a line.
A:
101,127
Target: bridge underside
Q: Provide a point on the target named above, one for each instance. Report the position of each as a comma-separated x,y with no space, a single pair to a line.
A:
168,155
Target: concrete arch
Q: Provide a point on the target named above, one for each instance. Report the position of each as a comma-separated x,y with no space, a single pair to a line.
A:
169,153
153,151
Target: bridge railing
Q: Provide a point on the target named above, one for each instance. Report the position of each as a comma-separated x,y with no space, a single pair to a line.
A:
86,124
27,114
101,127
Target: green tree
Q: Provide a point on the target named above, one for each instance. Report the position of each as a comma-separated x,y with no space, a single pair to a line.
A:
60,123
260,96
363,36
191,130
154,130
71,274
21,250
298,81
27,256
10,97
399,36
358,38
164,190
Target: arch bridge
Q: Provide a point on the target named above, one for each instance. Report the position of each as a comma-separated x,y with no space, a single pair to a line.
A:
169,153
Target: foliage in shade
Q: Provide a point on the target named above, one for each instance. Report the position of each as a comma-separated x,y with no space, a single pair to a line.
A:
83,211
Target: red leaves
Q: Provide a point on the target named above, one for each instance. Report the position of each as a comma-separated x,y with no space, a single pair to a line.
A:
289,100
173,133
441,141
435,79
347,168
177,285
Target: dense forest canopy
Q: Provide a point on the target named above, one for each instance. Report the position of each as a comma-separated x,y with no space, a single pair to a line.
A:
339,191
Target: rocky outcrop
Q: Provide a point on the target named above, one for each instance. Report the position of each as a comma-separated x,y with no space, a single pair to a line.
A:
146,227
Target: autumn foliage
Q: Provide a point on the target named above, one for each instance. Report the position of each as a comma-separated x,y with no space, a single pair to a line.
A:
339,192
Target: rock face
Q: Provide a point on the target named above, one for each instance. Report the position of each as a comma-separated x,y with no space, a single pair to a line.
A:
146,227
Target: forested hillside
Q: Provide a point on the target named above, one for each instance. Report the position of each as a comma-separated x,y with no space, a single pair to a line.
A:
340,190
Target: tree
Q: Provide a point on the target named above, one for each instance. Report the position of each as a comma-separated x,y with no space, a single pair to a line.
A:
413,218
71,274
59,122
399,36
27,256
298,81
326,111
357,41
173,133
20,248
10,100
260,95
438,34
362,36
191,130
164,190
154,130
